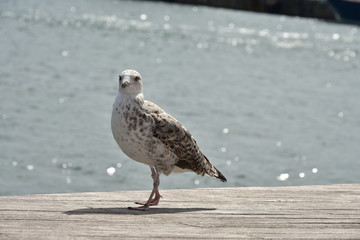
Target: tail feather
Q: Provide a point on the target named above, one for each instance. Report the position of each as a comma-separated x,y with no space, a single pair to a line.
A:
220,176
214,172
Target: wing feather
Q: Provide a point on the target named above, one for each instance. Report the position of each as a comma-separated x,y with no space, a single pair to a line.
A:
179,141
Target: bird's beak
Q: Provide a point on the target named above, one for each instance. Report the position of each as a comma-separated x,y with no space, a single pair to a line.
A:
125,83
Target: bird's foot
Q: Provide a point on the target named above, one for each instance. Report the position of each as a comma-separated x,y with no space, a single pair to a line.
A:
153,202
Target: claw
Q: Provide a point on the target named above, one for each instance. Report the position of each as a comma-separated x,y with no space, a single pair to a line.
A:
152,202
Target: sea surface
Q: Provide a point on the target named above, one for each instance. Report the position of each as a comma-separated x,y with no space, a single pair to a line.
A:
271,100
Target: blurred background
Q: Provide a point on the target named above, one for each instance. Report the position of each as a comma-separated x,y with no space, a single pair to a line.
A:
272,100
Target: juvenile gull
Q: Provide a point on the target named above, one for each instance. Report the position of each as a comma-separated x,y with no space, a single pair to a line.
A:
149,135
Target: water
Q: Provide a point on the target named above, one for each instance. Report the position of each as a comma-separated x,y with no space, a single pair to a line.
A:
271,100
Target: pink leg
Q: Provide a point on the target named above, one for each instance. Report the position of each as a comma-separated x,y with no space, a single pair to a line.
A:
151,201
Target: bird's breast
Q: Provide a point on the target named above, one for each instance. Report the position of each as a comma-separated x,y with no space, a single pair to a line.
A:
131,132
132,128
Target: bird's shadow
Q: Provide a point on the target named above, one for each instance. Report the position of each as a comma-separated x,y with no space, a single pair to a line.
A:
126,211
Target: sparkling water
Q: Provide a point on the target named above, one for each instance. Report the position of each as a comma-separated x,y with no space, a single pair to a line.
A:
271,100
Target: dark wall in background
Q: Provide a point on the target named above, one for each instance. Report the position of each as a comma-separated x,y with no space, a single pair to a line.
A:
302,8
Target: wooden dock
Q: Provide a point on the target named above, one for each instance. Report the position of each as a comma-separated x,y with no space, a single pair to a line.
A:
306,212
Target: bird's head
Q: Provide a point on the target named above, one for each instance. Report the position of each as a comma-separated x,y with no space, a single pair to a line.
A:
130,82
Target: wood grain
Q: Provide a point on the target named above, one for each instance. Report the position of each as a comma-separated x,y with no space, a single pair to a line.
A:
312,212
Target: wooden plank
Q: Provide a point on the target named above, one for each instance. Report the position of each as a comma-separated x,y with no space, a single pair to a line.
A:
313,212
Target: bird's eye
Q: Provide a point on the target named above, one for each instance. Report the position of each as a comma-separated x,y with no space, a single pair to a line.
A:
120,77
137,78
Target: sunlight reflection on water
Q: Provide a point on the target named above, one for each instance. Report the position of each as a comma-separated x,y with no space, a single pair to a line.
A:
271,100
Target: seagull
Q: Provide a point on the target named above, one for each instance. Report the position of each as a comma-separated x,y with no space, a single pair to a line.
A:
149,135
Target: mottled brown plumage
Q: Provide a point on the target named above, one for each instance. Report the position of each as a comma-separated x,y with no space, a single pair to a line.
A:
179,141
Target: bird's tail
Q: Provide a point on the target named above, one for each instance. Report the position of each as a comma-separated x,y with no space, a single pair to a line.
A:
213,171
219,175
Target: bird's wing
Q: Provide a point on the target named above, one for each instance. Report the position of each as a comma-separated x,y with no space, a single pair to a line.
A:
179,141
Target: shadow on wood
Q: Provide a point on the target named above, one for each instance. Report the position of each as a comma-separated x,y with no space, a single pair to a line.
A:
134,212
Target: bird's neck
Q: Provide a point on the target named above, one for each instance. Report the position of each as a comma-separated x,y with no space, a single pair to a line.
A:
130,98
